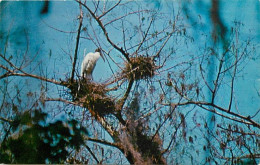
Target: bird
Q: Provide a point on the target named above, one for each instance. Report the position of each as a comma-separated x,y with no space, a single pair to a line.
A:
89,63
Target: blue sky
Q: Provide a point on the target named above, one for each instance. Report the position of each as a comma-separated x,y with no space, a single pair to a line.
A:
54,48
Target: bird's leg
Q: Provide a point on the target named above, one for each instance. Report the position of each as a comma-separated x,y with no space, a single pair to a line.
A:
89,77
79,85
81,79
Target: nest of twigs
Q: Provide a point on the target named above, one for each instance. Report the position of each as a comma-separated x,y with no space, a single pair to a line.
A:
140,68
93,96
91,88
98,104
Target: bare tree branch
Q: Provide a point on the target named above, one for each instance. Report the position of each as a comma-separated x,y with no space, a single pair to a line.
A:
102,15
119,18
64,101
145,35
122,101
33,76
105,32
236,131
77,43
241,119
216,82
104,142
6,120
92,154
59,30
100,119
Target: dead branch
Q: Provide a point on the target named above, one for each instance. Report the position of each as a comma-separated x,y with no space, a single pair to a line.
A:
64,101
6,120
236,131
12,73
123,100
216,82
144,38
104,142
240,118
102,15
77,44
92,154
119,18
105,31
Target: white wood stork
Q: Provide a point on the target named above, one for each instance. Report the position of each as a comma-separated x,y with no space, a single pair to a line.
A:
89,63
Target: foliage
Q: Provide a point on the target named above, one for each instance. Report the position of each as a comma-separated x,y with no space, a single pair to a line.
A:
35,141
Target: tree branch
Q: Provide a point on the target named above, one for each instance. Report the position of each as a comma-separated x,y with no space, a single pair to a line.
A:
104,142
164,43
105,32
242,119
236,131
130,13
216,83
13,72
146,33
6,120
122,101
100,119
32,76
92,154
109,10
64,101
77,43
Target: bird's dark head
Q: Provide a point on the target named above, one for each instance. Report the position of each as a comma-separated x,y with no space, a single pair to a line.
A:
99,50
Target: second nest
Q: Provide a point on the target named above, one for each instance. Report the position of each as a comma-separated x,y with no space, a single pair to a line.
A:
140,68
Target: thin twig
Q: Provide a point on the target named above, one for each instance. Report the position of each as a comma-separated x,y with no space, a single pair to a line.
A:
104,142
92,154
122,101
64,101
102,15
235,131
146,33
62,31
119,18
240,118
165,42
216,83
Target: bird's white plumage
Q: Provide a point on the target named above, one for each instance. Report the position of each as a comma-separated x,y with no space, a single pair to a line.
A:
88,64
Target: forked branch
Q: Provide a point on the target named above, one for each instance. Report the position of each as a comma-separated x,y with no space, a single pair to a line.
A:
125,54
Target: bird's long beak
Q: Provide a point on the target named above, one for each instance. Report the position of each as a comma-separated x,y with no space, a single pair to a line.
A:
101,54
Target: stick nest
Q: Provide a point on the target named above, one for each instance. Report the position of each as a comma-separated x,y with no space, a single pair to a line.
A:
94,97
98,104
140,68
